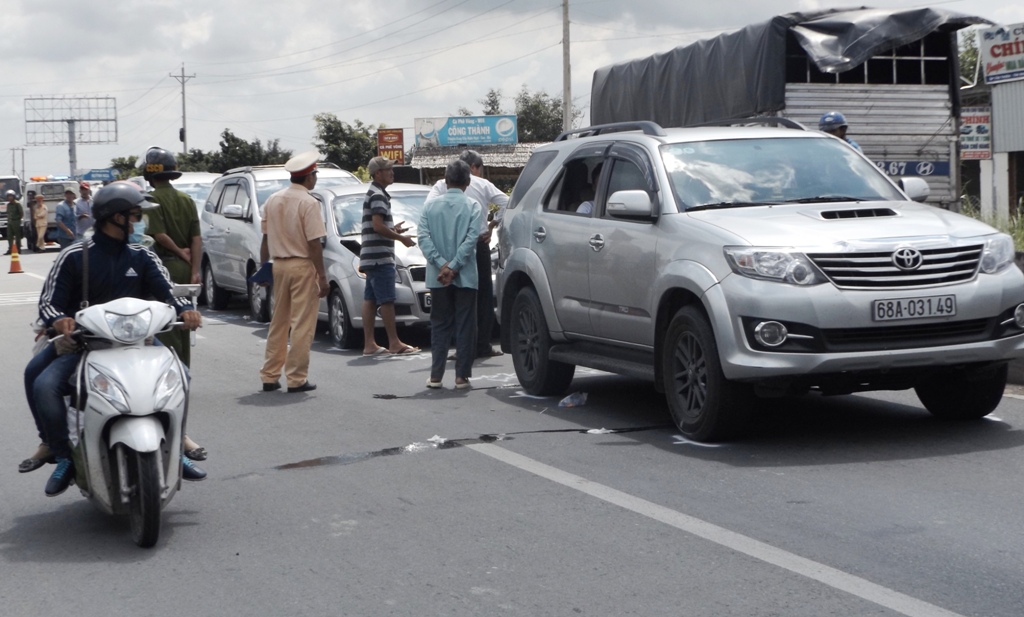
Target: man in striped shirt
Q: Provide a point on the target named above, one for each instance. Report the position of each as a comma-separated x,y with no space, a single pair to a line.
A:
377,259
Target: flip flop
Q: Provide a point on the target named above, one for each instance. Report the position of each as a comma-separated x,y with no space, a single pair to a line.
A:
32,464
408,349
196,454
376,352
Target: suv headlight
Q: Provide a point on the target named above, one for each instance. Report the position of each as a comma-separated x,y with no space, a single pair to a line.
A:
998,254
129,328
773,264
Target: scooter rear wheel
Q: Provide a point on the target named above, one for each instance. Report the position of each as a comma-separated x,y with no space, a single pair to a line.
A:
144,503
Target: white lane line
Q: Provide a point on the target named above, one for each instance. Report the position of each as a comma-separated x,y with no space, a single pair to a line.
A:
837,579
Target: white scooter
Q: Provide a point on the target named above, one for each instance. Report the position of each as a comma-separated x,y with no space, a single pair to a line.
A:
128,419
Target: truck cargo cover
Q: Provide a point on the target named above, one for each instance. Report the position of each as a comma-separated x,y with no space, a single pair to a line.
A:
742,73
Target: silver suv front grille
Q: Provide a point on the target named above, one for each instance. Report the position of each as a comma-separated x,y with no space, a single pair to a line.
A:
876,270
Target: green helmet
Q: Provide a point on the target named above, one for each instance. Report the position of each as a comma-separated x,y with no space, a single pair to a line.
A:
159,164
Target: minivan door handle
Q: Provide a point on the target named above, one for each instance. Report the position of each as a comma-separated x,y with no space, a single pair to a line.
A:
539,234
597,242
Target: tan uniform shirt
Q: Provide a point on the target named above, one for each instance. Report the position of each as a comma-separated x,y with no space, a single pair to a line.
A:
40,212
291,219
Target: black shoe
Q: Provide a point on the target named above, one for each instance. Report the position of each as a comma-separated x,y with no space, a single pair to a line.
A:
270,387
190,471
62,477
306,387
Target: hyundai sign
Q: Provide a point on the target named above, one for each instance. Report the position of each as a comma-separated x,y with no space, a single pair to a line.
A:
466,131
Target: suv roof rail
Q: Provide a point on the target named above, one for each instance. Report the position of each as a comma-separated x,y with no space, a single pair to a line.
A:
248,168
648,127
772,120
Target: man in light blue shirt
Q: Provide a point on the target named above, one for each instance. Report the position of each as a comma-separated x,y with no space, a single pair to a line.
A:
448,231
83,212
66,219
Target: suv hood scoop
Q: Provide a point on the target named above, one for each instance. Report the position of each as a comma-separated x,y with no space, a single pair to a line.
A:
856,213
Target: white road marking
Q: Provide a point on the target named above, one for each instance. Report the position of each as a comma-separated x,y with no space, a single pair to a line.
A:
837,579
25,297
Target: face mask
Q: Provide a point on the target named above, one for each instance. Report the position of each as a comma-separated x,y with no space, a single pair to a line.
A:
138,235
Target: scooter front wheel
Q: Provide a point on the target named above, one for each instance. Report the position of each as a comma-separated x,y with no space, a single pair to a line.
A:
144,500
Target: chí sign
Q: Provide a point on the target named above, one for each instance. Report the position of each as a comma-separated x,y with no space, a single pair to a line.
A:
1002,53
391,144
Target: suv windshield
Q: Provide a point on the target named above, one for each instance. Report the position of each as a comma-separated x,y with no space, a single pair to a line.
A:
741,172
348,211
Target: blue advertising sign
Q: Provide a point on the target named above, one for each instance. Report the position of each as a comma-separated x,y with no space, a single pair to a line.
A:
914,168
100,175
467,131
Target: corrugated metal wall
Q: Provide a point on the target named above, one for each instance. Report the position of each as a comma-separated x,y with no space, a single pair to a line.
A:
1008,117
892,123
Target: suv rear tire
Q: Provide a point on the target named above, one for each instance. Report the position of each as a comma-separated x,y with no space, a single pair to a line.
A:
964,395
704,404
531,343
216,297
260,298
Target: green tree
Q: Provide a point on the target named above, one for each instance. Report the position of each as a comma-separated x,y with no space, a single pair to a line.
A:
540,116
491,103
196,160
968,54
347,146
125,166
237,152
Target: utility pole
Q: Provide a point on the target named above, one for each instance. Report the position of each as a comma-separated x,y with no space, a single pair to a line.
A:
183,133
566,73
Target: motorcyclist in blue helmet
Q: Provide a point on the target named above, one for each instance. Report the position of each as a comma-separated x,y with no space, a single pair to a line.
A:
834,123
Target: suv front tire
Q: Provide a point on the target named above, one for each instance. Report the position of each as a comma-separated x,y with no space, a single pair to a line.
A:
531,344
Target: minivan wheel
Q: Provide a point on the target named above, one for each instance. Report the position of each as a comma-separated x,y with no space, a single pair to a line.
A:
531,343
216,297
963,395
342,333
259,299
703,403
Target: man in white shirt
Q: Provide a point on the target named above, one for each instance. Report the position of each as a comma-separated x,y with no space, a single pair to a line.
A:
484,193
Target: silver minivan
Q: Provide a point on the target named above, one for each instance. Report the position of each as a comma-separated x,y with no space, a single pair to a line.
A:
230,224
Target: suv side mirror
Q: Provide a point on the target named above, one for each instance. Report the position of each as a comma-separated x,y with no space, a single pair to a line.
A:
630,204
915,188
233,211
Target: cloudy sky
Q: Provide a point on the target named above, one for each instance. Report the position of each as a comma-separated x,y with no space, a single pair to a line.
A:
263,70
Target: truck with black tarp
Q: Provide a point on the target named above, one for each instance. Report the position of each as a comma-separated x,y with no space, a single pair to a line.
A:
893,73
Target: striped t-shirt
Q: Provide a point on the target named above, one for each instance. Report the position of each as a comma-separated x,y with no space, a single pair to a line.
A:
376,249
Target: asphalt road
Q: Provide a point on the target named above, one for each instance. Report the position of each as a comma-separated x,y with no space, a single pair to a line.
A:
375,496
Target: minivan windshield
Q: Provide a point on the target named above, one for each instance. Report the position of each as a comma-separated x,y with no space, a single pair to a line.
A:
747,172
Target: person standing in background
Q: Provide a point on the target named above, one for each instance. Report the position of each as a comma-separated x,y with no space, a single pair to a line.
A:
66,219
377,260
834,123
174,226
15,212
40,214
448,231
83,211
484,193
292,229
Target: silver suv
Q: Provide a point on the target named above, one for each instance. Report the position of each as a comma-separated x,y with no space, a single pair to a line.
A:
724,263
230,225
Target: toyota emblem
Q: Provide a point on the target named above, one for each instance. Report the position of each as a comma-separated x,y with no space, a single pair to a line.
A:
907,259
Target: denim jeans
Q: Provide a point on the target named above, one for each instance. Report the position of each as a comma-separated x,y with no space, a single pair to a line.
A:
452,313
46,384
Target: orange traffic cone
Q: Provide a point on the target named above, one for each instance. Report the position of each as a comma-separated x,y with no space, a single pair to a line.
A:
15,260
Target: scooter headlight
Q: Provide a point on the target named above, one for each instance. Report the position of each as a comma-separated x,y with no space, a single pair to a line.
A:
108,388
129,328
169,389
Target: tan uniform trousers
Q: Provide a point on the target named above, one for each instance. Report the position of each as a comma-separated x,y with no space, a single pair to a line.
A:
296,300
41,235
